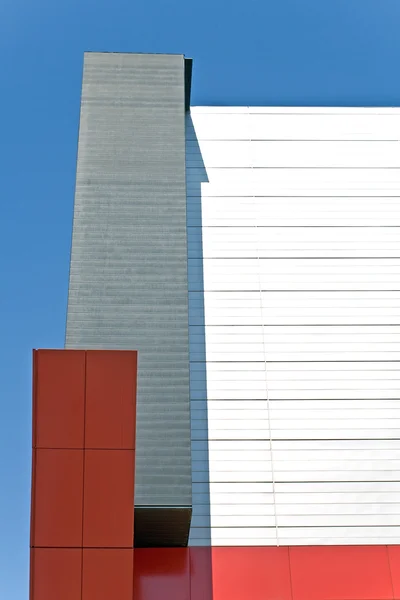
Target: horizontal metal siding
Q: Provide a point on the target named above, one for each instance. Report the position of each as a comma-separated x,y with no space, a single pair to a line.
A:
294,315
288,211
128,279
293,124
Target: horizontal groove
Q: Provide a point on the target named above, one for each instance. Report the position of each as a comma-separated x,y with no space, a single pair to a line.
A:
300,440
292,227
313,110
295,290
272,400
289,140
291,196
269,504
311,481
263,325
272,527
251,168
294,361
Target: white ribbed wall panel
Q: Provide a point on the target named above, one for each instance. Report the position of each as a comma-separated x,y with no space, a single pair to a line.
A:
294,312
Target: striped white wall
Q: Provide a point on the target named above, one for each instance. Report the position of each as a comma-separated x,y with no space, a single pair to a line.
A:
294,279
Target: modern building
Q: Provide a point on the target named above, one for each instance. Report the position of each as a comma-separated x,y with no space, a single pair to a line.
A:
243,263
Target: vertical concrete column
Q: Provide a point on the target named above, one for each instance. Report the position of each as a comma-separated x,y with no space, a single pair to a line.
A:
128,283
84,413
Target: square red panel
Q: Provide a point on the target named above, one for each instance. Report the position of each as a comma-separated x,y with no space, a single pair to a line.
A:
259,573
162,574
394,562
57,498
340,573
108,498
56,574
107,574
58,398
110,399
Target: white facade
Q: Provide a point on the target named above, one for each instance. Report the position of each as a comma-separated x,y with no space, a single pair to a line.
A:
294,279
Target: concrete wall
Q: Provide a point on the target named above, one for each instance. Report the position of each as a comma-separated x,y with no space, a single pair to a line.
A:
128,282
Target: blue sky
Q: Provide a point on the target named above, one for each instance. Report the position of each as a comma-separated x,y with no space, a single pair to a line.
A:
259,52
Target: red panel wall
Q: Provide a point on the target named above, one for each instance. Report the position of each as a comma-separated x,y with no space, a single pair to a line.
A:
107,574
201,583
394,563
343,573
269,573
57,501
110,399
56,574
108,498
83,475
58,399
162,573
237,573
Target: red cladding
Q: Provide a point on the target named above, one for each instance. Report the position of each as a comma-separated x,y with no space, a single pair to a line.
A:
57,498
83,475
108,498
266,573
162,574
56,574
340,573
110,399
252,572
59,398
394,560
107,574
201,583
259,573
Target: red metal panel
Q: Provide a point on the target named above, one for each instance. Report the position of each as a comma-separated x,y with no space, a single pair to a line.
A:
57,498
110,399
108,498
56,574
107,574
58,398
259,573
201,583
162,573
340,573
394,561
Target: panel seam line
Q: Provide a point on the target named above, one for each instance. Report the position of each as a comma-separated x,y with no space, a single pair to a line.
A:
264,352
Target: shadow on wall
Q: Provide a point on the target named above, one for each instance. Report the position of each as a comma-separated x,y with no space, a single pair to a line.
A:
172,574
200,533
